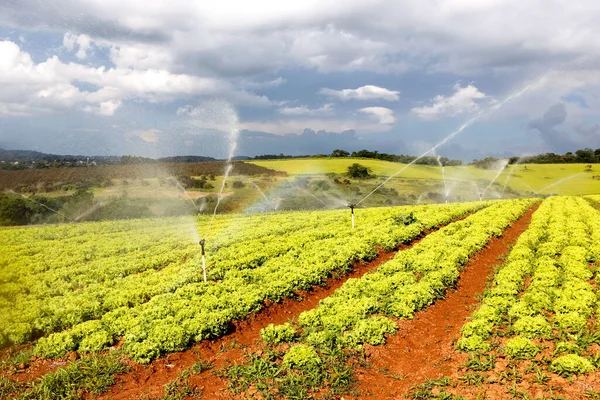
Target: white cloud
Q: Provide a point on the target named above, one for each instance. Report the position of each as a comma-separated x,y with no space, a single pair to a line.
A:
29,88
149,135
383,115
326,109
263,36
297,125
265,84
367,92
461,102
82,42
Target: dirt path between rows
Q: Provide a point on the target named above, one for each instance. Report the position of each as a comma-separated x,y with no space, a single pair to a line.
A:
423,348
148,381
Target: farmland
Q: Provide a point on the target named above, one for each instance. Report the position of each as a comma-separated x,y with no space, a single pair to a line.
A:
524,178
298,303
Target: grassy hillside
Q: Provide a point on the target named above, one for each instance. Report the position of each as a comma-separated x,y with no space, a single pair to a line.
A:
564,179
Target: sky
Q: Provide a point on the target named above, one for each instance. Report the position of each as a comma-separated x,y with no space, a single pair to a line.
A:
155,78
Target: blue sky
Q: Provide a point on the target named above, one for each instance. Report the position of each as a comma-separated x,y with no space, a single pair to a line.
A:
181,77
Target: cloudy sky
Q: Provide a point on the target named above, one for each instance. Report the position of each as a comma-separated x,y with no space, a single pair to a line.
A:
159,78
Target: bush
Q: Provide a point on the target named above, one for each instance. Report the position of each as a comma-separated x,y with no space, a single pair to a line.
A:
358,171
238,184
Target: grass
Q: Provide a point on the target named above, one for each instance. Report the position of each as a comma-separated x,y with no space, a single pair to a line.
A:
180,388
523,179
266,374
92,374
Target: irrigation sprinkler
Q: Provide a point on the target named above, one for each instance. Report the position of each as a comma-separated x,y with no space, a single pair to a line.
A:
446,199
480,196
201,243
351,207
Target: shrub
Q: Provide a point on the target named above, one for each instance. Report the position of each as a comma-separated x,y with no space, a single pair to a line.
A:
358,171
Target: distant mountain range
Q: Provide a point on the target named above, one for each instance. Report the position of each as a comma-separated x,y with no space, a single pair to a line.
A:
29,156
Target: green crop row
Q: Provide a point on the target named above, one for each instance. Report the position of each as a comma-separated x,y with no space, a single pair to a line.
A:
47,306
161,311
357,313
543,296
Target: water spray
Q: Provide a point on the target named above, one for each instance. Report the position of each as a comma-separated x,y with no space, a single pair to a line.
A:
43,205
500,170
201,243
351,207
538,82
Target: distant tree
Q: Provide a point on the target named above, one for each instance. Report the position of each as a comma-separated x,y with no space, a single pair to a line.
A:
238,184
585,156
339,153
358,171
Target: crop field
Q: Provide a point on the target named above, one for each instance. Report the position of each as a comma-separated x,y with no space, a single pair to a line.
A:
562,179
487,299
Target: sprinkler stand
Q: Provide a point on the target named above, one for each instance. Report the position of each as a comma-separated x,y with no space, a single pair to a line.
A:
351,207
201,243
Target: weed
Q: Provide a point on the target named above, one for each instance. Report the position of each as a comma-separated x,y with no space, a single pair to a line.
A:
92,374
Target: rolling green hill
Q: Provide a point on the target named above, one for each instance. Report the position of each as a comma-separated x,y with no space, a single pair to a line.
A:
564,179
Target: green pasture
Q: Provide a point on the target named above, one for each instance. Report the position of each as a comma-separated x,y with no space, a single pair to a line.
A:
562,179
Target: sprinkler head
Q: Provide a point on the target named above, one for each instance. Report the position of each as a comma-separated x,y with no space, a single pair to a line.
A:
201,243
351,206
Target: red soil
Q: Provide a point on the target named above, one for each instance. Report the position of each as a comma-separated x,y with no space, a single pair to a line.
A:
423,348
149,380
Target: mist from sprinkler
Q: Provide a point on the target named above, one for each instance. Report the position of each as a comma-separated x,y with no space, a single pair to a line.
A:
500,170
43,205
538,82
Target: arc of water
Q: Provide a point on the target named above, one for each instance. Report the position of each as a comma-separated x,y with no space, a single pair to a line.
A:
261,192
500,170
443,177
512,170
233,138
558,182
187,194
310,194
43,205
530,188
472,120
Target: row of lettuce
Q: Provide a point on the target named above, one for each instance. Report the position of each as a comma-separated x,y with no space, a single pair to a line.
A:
360,311
252,260
90,289
543,300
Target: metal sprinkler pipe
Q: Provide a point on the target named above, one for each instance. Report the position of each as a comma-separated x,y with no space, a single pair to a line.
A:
351,207
201,243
